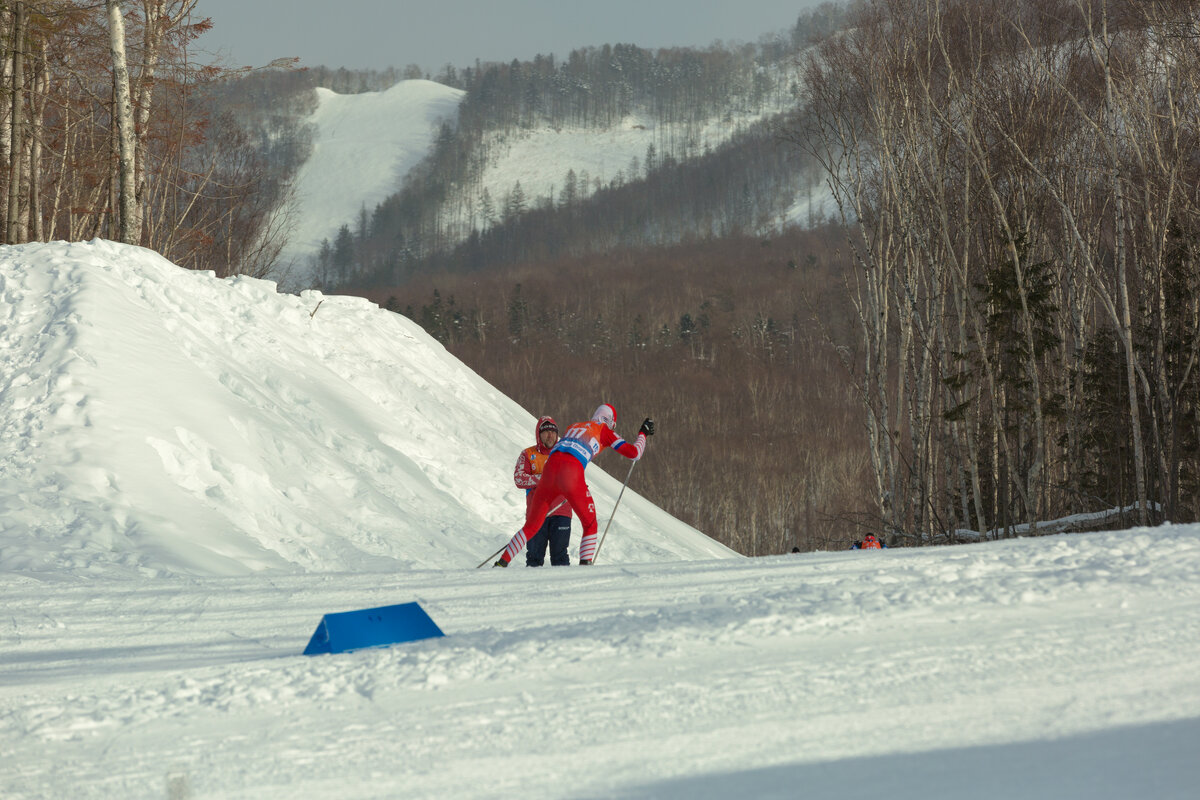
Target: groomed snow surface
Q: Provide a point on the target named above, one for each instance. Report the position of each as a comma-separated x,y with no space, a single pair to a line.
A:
1049,668
197,470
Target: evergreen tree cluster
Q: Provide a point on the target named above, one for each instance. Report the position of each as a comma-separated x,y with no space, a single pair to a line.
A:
598,87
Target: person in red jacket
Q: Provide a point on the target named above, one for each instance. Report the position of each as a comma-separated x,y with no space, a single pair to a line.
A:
563,475
556,531
869,542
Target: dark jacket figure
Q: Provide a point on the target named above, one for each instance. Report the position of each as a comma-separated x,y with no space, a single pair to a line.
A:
556,530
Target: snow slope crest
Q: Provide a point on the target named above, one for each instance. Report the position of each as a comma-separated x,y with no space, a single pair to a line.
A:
159,421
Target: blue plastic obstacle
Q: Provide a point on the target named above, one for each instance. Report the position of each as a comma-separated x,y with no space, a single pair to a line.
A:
371,627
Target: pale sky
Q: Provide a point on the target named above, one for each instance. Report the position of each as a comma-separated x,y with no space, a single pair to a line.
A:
375,34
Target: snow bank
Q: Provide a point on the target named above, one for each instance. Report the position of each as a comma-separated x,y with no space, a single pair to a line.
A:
161,421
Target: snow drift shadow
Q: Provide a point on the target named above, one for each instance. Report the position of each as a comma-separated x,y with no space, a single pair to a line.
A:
1109,764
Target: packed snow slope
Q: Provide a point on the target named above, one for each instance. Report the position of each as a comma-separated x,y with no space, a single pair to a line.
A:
1059,668
363,147
158,421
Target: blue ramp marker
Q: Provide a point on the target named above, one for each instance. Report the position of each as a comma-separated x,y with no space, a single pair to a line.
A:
371,627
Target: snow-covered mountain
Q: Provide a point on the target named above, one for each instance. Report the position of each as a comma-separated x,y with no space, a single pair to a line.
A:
363,146
160,421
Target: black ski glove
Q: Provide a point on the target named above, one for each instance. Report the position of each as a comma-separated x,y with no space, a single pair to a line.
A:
647,427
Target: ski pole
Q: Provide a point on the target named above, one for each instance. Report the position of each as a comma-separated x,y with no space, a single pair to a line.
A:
614,511
493,555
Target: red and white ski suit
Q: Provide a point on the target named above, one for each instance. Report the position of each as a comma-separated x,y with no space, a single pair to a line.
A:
563,475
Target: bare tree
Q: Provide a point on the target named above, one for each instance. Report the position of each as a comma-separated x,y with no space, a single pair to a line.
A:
16,124
128,217
1018,179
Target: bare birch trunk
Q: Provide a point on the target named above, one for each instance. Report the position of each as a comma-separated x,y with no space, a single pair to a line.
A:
6,69
41,93
161,16
1101,50
127,216
13,233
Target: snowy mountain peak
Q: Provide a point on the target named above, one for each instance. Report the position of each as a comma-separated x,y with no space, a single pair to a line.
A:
161,421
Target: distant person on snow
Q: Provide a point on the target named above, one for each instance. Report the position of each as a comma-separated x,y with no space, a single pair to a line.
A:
869,542
557,529
563,475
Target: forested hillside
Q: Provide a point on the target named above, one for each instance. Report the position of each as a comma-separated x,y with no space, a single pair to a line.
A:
726,343
741,188
1027,180
710,163
1016,300
713,162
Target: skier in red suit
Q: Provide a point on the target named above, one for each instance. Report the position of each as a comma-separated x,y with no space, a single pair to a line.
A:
563,475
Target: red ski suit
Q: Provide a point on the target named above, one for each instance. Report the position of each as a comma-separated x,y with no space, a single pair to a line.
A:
563,475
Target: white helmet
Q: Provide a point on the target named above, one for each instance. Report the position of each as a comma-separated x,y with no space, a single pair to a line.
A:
606,414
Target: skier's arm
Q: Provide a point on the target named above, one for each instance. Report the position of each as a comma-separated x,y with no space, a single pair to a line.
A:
523,475
627,449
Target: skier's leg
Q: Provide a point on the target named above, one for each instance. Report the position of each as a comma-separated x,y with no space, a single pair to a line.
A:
535,515
586,511
535,550
559,533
